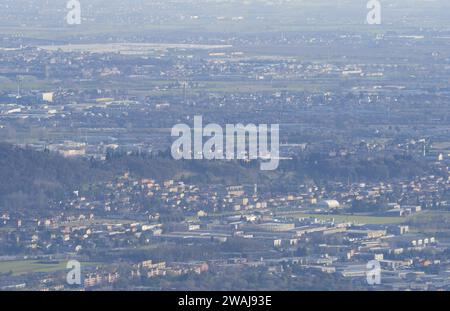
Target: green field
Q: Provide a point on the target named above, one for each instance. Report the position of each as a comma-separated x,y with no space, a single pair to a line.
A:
430,222
360,219
374,220
20,267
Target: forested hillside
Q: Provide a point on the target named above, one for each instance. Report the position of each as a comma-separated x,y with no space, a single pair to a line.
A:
31,179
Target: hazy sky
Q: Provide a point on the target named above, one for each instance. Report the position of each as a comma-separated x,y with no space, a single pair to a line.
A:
322,13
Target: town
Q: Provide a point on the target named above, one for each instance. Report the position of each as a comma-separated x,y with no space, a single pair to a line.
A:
89,173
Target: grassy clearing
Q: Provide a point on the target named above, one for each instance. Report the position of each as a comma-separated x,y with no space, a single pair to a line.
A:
430,221
20,267
374,220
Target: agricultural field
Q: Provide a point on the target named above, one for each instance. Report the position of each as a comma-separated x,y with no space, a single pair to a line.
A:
21,267
360,219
